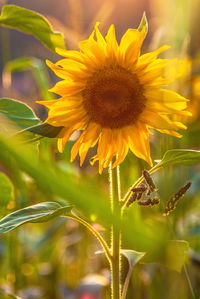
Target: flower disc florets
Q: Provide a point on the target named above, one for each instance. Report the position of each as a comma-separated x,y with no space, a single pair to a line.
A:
113,97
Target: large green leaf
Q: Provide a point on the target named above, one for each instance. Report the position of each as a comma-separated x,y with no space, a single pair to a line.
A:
184,157
6,190
53,179
38,69
173,256
18,112
45,130
33,23
41,212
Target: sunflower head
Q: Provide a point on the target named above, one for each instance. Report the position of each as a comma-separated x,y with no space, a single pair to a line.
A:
114,95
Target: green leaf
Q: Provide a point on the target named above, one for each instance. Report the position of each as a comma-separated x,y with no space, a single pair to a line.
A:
184,157
53,179
8,296
132,256
143,24
173,257
20,64
45,130
38,69
18,112
41,212
30,22
6,190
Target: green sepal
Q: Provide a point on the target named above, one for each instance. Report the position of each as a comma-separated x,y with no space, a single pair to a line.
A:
143,24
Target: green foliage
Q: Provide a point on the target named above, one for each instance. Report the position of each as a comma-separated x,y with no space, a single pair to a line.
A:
18,112
30,22
38,69
47,175
132,256
184,157
41,212
8,296
143,24
45,130
55,181
173,256
20,64
6,190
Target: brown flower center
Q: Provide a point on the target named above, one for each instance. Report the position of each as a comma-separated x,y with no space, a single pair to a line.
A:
113,97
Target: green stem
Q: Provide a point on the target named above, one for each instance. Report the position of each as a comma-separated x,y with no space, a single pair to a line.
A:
115,232
189,282
126,283
95,233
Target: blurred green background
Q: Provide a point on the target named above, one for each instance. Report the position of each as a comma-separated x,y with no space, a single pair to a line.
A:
57,260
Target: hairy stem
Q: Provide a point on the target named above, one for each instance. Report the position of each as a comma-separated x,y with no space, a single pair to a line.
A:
95,233
115,232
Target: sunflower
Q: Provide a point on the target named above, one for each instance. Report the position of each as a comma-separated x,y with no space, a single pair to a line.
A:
114,95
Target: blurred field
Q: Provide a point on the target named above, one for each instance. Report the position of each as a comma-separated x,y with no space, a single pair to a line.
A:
56,259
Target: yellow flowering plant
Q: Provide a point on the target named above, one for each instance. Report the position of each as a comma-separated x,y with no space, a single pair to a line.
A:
113,96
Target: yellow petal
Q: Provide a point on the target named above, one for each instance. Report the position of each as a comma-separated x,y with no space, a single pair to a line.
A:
65,107
65,137
130,37
153,71
75,55
92,49
112,45
47,104
172,133
166,69
60,72
90,138
130,45
68,87
75,148
138,139
111,151
111,38
121,147
105,145
71,64
68,118
100,39
166,101
159,121
145,59
74,70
